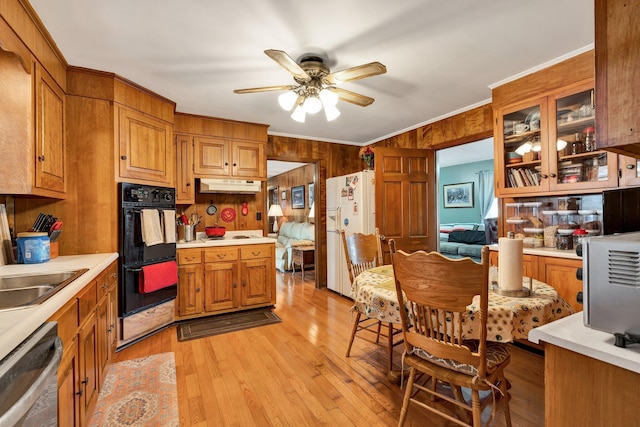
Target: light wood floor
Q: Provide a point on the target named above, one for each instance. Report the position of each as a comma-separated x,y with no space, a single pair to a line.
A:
295,373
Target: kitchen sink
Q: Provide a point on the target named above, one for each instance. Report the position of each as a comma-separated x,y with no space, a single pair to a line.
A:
26,290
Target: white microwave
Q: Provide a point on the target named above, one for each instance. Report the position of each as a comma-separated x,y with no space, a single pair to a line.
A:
611,279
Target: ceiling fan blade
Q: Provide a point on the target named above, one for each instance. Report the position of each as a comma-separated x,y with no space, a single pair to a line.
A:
286,62
265,89
352,97
356,73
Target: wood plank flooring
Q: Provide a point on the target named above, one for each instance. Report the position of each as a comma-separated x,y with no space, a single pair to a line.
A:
295,373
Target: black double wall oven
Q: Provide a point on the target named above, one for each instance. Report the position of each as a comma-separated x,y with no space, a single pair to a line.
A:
135,254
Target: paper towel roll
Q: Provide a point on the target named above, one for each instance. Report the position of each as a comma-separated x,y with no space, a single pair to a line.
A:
510,264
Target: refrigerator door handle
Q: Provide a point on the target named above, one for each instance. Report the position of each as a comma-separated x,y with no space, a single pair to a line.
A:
339,218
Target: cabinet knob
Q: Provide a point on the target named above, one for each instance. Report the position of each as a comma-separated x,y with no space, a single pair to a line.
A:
226,163
235,285
244,284
544,175
552,175
221,256
188,184
235,164
86,381
197,289
123,157
114,275
41,158
630,166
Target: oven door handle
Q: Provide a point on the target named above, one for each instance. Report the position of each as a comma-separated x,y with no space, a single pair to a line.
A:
133,269
35,390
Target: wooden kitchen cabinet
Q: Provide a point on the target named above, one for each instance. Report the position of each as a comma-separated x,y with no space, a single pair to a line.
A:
86,326
629,171
50,169
257,274
617,66
561,274
146,147
32,114
221,279
228,158
185,187
546,145
225,279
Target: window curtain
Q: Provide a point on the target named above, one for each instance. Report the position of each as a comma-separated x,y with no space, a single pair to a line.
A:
485,191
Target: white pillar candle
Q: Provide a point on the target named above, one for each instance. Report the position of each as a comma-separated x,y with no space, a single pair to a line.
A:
510,264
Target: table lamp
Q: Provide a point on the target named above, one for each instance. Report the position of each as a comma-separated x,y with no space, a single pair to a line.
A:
275,211
312,211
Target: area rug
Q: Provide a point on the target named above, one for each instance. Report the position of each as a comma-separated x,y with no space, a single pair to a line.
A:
224,323
139,392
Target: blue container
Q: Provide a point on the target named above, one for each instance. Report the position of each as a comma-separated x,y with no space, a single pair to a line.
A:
33,247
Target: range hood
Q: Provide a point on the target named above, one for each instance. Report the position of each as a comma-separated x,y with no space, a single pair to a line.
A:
231,186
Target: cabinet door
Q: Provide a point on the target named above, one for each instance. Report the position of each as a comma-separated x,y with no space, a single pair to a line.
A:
87,367
257,281
248,160
146,148
211,157
185,193
102,331
576,164
112,312
521,148
50,147
617,66
67,391
190,294
221,286
561,274
629,171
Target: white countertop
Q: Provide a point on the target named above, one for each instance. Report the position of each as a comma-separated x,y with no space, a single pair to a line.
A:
571,333
230,239
550,252
18,324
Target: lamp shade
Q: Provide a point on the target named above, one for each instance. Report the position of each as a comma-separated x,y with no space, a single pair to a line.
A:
275,210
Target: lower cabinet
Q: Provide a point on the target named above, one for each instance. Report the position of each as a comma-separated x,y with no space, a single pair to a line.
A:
557,272
225,279
87,328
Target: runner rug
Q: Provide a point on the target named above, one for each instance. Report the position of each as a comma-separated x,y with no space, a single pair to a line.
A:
223,323
139,392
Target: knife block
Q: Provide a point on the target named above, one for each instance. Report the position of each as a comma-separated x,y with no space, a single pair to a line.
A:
53,250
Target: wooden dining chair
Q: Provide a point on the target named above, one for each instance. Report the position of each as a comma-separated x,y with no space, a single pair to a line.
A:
437,291
362,252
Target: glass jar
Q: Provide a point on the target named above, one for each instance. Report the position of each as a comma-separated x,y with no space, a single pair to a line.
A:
590,221
589,138
550,222
564,242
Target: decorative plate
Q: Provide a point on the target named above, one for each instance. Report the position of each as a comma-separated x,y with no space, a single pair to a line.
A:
228,214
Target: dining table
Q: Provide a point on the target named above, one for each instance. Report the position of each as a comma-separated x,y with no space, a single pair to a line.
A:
509,318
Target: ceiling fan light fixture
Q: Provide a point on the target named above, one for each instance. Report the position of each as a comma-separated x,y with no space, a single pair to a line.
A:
312,105
331,112
328,98
298,114
287,100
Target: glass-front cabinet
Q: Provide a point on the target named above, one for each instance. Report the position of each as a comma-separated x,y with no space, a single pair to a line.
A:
549,145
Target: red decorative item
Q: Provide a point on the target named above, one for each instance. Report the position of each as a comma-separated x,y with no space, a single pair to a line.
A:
245,209
228,214
215,231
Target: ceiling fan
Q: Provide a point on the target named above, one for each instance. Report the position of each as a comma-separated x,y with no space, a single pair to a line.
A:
316,86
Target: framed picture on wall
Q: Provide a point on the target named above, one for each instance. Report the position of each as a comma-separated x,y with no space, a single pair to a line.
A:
283,195
297,197
458,195
311,189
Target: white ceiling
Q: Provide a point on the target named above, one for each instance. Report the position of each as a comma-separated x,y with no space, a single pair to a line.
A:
441,56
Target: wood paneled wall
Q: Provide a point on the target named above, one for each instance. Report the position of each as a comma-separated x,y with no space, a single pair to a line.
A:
303,175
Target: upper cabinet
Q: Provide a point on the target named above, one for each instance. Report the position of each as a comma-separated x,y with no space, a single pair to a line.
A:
215,148
548,144
32,134
617,37
221,158
145,146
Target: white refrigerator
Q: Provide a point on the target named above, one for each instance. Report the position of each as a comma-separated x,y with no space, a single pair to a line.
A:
350,207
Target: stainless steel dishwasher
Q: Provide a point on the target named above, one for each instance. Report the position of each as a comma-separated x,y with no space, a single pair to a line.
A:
29,380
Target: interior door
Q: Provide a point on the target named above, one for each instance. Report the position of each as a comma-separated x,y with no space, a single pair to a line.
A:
405,198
